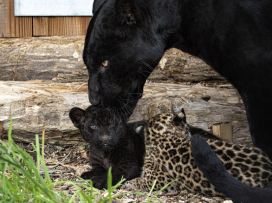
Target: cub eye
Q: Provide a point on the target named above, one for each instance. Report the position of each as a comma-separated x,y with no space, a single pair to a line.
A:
94,127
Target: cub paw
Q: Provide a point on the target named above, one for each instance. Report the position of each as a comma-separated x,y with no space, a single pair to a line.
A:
99,181
129,185
86,175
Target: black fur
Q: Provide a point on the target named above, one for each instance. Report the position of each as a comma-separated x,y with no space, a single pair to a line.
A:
233,36
113,143
97,4
215,171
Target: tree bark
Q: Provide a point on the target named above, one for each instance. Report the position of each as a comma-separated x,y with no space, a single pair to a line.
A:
35,106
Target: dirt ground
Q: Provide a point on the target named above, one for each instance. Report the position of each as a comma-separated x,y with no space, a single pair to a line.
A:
68,163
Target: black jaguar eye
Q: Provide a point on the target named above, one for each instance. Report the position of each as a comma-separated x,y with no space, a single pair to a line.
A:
105,65
93,127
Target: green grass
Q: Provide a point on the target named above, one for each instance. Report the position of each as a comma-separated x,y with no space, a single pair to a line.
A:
21,181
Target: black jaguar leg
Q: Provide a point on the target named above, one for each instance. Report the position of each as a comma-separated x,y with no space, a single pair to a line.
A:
259,113
215,171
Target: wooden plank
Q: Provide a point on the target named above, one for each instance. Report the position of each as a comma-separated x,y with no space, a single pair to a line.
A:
68,26
40,26
11,26
23,26
5,18
223,130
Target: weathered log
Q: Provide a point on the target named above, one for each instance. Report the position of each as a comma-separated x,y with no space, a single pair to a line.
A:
35,106
179,67
60,59
25,59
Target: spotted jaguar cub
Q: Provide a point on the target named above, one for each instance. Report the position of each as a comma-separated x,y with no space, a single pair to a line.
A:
169,157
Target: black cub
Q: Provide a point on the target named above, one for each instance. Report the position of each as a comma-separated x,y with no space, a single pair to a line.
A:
113,143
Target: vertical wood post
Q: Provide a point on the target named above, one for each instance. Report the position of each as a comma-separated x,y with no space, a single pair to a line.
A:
1,130
223,131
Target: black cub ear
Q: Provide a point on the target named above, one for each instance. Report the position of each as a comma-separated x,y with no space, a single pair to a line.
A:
129,11
97,4
77,115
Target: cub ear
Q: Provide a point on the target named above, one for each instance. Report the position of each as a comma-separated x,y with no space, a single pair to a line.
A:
129,11
180,118
77,115
97,4
139,128
182,115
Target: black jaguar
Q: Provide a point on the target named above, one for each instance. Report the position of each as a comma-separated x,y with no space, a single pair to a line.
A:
127,38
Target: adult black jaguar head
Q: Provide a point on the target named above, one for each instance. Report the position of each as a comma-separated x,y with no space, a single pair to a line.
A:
125,41
98,126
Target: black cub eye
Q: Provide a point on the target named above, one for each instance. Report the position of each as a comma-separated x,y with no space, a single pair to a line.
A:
93,127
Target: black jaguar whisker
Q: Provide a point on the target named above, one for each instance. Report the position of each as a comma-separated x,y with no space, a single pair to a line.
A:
143,74
137,93
147,65
145,71
123,113
127,109
117,111
124,106
130,100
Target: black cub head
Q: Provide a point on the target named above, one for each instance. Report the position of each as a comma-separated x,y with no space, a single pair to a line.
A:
98,126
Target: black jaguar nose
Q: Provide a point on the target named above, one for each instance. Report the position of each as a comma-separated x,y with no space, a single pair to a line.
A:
104,137
94,100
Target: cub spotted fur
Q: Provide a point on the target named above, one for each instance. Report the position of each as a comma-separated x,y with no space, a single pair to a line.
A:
169,157
113,143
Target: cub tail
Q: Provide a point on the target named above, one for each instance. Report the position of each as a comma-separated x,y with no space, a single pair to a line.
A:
214,170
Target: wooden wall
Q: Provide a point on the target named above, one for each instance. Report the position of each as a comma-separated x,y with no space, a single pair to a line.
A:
11,26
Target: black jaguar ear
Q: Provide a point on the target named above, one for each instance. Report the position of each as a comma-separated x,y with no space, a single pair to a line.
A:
97,4
77,115
129,11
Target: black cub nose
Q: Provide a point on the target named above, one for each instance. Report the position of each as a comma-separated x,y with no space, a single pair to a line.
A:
104,137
